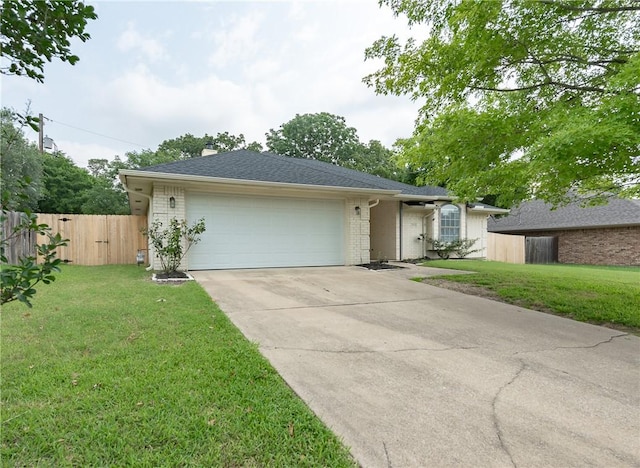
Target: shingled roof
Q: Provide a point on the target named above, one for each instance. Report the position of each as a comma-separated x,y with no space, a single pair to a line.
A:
270,167
538,216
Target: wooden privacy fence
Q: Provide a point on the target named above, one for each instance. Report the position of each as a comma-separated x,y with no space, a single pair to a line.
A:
521,249
542,249
98,239
505,248
22,244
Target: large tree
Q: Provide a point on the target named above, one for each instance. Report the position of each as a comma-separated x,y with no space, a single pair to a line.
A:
106,196
189,146
35,31
65,185
323,136
144,158
32,32
375,158
20,165
327,137
521,98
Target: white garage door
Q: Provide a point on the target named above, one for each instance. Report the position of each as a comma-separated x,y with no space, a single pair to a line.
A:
260,232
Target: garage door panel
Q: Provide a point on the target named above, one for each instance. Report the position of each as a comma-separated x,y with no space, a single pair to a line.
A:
249,232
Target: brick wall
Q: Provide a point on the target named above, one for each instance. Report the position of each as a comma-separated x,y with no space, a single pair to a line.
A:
604,246
357,232
162,211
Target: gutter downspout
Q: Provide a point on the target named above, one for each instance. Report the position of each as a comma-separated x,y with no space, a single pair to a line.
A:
424,234
400,233
375,203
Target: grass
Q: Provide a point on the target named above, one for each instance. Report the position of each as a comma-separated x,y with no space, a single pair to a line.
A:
110,369
595,294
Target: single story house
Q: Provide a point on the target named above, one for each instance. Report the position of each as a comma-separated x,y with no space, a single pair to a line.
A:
267,210
596,235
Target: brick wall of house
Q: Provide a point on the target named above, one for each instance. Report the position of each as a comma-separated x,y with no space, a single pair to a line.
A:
357,231
162,211
604,246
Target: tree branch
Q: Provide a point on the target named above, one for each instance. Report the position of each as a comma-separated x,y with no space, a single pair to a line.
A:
585,88
596,10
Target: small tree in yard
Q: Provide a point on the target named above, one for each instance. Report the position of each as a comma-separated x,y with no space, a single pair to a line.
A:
461,247
19,278
172,243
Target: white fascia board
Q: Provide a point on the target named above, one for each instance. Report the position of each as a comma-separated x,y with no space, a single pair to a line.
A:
177,178
482,209
405,197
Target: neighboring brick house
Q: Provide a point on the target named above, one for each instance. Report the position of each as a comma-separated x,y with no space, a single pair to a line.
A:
268,210
595,235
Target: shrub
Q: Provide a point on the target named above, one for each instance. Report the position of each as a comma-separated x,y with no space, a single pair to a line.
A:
171,244
18,280
461,247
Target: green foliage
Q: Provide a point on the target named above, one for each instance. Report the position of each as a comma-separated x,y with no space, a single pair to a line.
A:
18,280
65,185
323,136
145,158
100,169
104,199
374,158
189,146
35,31
522,98
172,243
183,147
461,247
19,159
255,146
326,137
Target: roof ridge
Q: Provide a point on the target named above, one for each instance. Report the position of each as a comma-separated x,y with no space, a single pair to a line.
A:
198,158
301,161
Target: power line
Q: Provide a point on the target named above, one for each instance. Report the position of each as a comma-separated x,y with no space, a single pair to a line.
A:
96,133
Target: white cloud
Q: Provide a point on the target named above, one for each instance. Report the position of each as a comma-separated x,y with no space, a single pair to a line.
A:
236,39
150,48
80,153
156,109
229,66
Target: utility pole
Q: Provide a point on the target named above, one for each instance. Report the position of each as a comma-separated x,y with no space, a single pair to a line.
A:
41,133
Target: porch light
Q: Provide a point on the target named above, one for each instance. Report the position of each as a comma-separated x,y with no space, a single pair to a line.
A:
172,202
357,210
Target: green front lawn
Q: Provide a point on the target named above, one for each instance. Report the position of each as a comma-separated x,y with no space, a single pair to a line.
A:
601,295
110,369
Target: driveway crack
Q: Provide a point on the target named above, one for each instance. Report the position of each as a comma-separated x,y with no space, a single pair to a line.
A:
386,453
599,343
341,304
365,351
496,420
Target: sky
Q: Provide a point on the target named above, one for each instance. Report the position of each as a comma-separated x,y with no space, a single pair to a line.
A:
156,70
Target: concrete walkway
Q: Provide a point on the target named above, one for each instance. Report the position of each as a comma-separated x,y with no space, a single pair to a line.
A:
411,375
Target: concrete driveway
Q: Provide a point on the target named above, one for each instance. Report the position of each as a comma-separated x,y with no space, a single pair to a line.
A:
411,375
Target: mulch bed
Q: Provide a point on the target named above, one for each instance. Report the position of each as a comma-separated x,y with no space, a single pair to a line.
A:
380,266
172,275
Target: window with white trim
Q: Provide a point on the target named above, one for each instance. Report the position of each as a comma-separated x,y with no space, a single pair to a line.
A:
449,223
